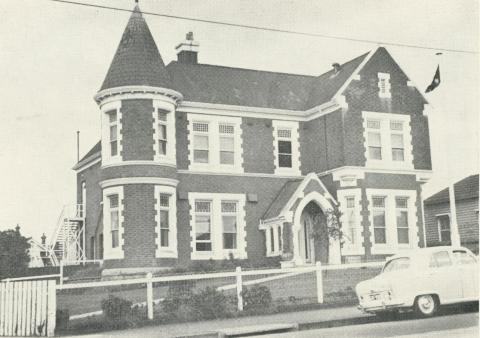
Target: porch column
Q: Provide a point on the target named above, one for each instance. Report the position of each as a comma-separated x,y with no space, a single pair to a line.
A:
334,254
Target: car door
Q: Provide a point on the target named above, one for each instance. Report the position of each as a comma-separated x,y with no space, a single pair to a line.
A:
468,269
444,278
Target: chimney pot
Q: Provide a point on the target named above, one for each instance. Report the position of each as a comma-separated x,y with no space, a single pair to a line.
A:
187,51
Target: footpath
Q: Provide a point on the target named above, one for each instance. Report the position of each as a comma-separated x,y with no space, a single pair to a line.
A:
237,327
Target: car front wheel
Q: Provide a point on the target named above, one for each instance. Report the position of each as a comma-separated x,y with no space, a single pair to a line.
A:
426,305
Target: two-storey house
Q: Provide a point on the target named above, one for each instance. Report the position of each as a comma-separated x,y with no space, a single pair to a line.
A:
200,162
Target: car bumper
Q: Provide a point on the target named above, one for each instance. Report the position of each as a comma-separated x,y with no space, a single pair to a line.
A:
379,307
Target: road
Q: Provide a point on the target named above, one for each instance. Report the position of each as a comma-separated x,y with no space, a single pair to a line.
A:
454,325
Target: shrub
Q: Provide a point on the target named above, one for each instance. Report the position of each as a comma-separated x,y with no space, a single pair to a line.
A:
257,297
209,304
116,310
178,295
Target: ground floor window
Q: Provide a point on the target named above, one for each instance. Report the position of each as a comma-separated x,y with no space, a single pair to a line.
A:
113,222
166,218
443,222
392,218
218,225
273,239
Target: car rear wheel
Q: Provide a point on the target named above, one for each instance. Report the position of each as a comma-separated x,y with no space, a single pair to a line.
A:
426,305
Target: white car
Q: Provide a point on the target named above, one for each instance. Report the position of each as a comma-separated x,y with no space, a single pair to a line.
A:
422,280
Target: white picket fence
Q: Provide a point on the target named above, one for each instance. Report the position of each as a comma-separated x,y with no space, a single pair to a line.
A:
27,308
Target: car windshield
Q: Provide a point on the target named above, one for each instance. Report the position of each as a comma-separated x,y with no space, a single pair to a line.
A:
397,264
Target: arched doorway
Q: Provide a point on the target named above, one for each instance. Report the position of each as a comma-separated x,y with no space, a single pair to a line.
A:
313,241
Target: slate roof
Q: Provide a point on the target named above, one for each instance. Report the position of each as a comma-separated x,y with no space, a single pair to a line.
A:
137,60
282,198
464,189
92,154
256,88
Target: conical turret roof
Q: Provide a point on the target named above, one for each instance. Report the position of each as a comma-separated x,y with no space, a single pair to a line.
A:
137,61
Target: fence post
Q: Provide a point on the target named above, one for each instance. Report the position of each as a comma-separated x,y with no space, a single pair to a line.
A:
318,270
61,272
238,270
149,296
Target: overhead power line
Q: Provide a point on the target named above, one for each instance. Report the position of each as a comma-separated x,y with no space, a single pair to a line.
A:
269,29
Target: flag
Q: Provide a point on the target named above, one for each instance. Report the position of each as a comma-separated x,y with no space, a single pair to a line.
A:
435,82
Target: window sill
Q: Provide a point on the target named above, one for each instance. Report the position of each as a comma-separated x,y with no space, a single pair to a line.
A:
273,254
287,171
388,164
166,253
214,168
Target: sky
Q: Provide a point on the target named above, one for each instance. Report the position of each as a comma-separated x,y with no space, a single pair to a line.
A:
54,56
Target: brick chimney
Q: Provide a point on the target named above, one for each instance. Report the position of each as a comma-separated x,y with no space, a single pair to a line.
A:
187,50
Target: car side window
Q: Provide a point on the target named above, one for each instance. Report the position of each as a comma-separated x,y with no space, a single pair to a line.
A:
463,258
440,259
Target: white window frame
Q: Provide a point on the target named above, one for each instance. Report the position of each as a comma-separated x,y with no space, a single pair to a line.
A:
107,158
385,119
171,250
437,218
384,78
349,248
216,226
229,214
109,252
277,230
214,135
170,157
294,139
392,246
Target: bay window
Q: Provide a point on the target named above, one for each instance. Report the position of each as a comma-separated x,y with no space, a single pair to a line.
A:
114,219
162,132
166,222
112,241
113,132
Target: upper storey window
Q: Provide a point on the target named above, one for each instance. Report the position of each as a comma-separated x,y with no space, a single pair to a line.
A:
111,133
388,140
215,143
164,134
286,147
384,85
113,127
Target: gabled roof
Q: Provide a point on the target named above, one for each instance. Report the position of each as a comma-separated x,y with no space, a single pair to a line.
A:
464,189
281,200
92,154
137,60
256,88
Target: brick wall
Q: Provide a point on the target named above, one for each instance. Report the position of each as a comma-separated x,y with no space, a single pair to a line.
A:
137,129
94,226
181,134
138,171
258,154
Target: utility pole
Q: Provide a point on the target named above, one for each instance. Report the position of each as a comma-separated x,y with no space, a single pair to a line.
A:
78,145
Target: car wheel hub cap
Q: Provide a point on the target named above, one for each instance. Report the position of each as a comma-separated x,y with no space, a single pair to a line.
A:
426,304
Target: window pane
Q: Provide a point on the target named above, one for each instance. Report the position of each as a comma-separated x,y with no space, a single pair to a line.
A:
202,224
164,223
379,218
201,142
113,133
402,235
229,223
114,220
226,157
162,115
374,140
200,156
373,124
284,133
350,202
229,206
112,116
226,143
375,153
162,132
445,236
202,206
201,127
378,202
284,147
402,219
113,148
444,222
164,200
164,237
397,141
162,147
380,235
229,240
113,201
285,161
114,238
226,129
279,231
396,125
397,155
203,246
440,259
272,240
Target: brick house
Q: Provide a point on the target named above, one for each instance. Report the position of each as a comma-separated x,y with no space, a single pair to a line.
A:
437,214
200,162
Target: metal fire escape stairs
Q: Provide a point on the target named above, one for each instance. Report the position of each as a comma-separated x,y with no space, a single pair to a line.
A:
67,245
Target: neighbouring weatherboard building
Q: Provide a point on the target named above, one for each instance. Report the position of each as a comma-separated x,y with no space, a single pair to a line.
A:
200,162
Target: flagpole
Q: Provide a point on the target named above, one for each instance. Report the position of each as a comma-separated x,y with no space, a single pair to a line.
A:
454,233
